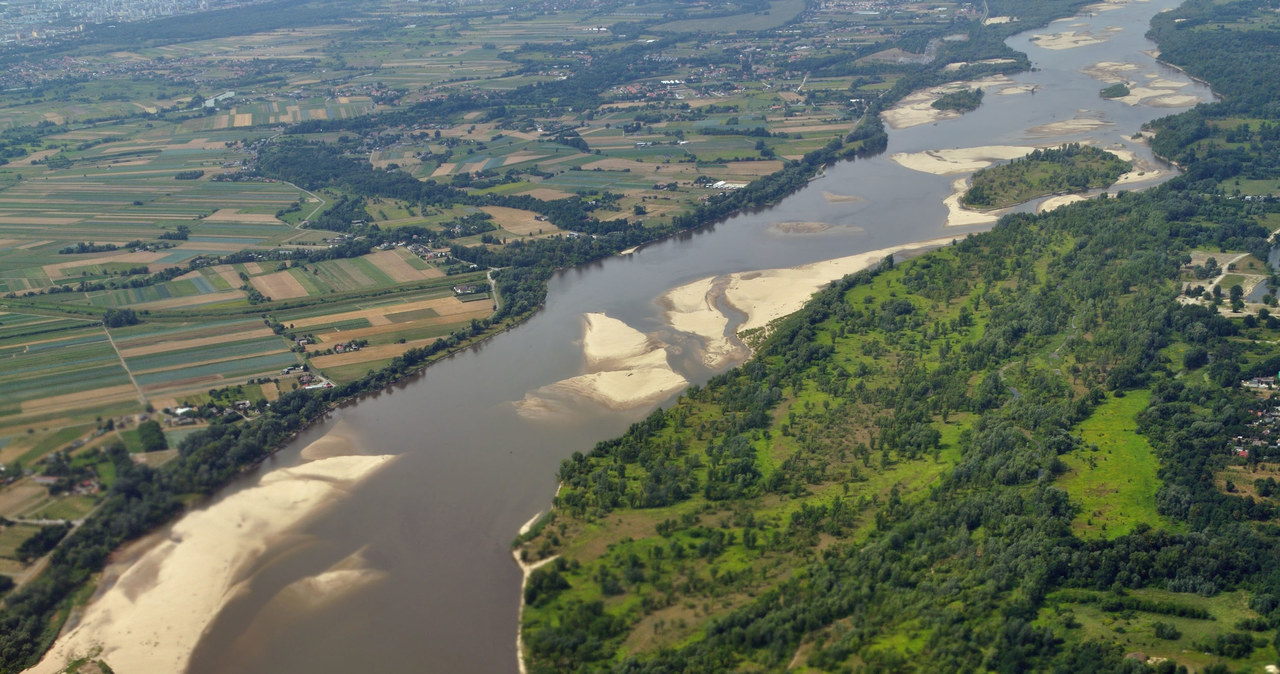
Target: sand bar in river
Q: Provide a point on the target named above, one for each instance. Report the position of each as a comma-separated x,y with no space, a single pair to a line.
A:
151,616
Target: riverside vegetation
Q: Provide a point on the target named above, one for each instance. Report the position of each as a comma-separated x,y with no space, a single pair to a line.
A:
1067,169
1020,452
130,277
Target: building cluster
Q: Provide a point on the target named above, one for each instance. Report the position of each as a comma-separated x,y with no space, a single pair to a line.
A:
47,21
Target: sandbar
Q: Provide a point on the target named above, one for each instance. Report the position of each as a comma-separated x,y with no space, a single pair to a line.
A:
1017,89
691,308
959,216
834,198
1158,92
952,67
799,227
765,296
1071,39
1066,127
625,368
303,597
1059,201
959,160
1141,172
917,108
152,616
991,21
609,340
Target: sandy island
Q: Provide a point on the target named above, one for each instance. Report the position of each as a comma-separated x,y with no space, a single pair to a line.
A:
1071,39
1067,127
149,614
626,368
834,198
959,160
917,108
1156,92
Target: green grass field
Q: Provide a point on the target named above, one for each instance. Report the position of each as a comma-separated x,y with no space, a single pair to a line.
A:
13,536
1114,486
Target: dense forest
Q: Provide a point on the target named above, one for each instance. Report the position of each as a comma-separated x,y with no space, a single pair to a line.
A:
1018,453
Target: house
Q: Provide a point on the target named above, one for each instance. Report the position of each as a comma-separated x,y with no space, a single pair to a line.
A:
224,96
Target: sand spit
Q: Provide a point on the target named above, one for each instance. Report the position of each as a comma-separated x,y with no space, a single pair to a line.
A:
1053,203
1142,171
152,616
627,369
608,341
1017,89
304,597
692,308
959,216
952,67
765,296
959,160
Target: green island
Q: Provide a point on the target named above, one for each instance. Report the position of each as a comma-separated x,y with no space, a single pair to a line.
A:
1020,452
1068,169
1117,90
962,101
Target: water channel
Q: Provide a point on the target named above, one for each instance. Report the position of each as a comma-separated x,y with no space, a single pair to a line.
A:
434,526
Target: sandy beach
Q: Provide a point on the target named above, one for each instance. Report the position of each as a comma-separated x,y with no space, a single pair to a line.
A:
959,160
767,295
1058,202
153,614
959,216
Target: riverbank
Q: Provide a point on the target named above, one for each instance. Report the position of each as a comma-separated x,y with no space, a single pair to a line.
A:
151,611
767,295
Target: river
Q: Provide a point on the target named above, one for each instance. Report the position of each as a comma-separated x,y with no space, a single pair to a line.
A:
410,569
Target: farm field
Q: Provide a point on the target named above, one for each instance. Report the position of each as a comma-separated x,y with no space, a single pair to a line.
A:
149,264
156,213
